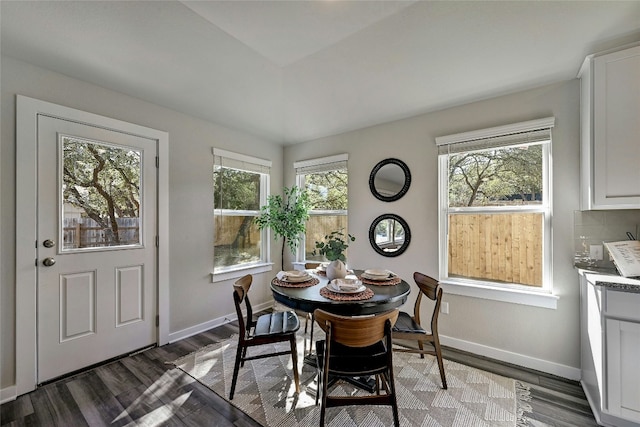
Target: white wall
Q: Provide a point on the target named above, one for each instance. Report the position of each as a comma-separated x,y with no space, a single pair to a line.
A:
538,337
193,298
506,329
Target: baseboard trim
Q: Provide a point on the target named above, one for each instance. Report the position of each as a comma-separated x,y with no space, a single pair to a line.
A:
213,323
8,394
471,347
557,369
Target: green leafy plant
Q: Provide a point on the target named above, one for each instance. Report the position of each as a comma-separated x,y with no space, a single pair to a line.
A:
334,245
287,216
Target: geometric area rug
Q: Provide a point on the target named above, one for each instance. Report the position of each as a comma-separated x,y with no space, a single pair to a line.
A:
265,391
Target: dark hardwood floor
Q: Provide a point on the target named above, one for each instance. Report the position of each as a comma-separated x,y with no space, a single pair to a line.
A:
143,390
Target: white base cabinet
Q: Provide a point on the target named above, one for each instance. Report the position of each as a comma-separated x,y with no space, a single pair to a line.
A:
610,349
610,130
623,373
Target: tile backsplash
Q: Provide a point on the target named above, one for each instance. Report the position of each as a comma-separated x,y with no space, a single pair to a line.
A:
595,227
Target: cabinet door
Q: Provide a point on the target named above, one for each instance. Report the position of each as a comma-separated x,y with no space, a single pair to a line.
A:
616,113
623,371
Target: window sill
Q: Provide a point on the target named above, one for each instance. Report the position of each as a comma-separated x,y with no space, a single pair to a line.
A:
514,296
236,273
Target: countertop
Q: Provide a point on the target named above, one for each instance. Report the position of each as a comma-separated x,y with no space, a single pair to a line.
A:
609,278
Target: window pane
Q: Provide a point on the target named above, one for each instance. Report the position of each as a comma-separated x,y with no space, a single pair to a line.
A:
237,240
328,190
317,227
236,190
504,248
496,177
100,195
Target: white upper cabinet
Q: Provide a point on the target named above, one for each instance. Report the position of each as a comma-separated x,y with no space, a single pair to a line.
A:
610,130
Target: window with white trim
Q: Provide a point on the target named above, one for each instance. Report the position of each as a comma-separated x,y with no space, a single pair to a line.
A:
240,187
326,180
495,208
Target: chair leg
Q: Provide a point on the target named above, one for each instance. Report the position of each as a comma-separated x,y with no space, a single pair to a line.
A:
306,322
319,387
436,344
323,404
236,367
394,401
311,333
294,359
325,384
421,347
244,355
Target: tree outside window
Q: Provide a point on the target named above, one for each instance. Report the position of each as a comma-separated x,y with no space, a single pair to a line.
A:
497,210
239,188
326,182
101,194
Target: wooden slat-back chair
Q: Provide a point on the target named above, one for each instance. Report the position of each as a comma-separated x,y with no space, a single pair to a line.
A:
409,327
356,347
269,328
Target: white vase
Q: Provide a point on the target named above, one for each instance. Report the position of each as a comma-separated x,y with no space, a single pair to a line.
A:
336,270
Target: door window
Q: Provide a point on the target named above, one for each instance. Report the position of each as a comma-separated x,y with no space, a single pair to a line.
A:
101,199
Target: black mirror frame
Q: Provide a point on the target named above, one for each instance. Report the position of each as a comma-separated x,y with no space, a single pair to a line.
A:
403,190
372,235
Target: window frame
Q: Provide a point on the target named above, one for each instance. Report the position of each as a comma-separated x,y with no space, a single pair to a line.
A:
256,164
321,162
512,293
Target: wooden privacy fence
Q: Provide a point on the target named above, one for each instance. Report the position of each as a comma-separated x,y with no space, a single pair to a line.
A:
504,247
320,225
87,233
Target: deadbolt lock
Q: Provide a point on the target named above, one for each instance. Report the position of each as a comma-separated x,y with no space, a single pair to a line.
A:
48,243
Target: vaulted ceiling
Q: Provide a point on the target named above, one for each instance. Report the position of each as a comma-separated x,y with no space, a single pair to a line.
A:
292,71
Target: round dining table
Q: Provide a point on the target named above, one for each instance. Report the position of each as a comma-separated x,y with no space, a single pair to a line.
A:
307,299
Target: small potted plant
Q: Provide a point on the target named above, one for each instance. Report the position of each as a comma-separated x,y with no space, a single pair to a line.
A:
333,248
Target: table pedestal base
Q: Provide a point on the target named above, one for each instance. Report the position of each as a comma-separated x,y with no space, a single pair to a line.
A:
367,383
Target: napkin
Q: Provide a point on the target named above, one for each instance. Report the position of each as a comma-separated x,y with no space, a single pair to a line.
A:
348,287
344,285
283,275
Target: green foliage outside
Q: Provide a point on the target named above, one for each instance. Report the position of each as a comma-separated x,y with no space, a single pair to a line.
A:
327,190
496,177
235,236
286,216
235,189
103,181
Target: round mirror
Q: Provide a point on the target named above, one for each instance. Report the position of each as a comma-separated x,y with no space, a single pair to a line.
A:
390,180
389,235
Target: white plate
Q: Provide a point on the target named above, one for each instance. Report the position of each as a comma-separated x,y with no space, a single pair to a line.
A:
296,279
294,273
375,278
335,287
295,276
376,272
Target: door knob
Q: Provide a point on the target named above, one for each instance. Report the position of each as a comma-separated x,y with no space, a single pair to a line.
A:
48,243
48,262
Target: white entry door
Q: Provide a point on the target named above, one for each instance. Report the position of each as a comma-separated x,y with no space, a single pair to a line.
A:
96,245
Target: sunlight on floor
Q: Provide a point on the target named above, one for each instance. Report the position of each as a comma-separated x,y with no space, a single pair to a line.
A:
162,386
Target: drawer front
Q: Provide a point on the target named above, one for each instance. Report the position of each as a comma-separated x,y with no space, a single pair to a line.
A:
623,304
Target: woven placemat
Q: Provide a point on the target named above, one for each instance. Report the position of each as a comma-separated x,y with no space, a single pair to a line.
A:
312,282
335,296
390,282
